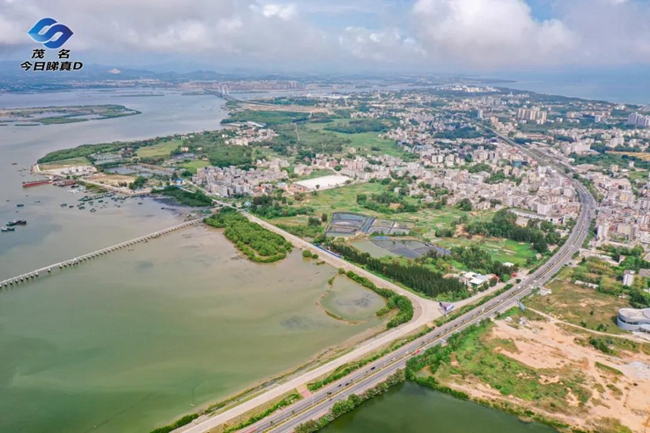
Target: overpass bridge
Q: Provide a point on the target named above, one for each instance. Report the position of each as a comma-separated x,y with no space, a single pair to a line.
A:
93,255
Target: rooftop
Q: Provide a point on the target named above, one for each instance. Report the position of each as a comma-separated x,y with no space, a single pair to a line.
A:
324,182
634,314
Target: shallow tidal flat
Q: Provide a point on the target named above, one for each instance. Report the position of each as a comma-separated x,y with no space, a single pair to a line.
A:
135,339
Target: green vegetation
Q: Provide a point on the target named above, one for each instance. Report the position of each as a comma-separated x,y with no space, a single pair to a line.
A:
342,407
608,369
386,203
162,149
481,261
287,401
475,359
503,226
270,118
501,250
178,424
193,166
394,301
65,162
71,114
303,142
276,206
581,305
138,183
257,243
225,156
194,199
603,344
125,149
467,308
356,126
414,276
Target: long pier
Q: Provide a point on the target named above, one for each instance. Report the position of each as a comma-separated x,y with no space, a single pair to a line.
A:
95,254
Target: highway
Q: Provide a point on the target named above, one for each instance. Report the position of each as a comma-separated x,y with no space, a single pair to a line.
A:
321,401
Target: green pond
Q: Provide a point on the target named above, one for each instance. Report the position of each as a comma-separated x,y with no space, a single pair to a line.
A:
410,408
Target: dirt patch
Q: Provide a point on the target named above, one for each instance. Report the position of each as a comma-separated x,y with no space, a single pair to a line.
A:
544,346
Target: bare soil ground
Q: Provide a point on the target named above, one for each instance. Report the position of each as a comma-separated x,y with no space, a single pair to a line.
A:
620,385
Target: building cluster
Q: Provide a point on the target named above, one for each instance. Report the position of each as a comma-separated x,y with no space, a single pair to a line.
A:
250,132
532,115
229,181
623,214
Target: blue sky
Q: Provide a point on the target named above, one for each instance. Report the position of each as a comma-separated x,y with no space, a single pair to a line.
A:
478,36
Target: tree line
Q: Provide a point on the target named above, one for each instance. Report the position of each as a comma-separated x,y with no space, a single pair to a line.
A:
414,276
503,225
257,243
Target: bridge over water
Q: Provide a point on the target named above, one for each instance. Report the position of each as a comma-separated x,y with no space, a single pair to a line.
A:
95,254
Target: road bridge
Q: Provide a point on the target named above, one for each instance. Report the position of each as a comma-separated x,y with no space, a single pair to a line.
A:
93,255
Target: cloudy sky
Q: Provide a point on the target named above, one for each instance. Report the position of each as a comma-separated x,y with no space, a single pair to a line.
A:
346,35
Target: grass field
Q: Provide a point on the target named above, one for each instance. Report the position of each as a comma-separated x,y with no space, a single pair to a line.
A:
503,250
580,305
82,160
343,199
431,219
317,173
162,149
638,175
364,141
192,166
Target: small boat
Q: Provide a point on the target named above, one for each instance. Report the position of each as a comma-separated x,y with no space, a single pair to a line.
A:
8,229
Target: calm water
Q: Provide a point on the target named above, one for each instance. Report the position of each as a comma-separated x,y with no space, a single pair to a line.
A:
137,338
629,87
409,408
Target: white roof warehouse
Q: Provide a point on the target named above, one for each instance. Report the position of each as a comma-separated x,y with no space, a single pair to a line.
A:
321,183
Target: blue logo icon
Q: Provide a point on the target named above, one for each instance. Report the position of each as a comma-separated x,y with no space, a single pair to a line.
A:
49,38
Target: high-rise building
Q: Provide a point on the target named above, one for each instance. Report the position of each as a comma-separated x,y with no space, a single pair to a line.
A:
637,119
533,114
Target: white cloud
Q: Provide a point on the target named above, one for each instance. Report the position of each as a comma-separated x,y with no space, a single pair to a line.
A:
478,34
286,12
194,27
489,33
610,31
381,46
